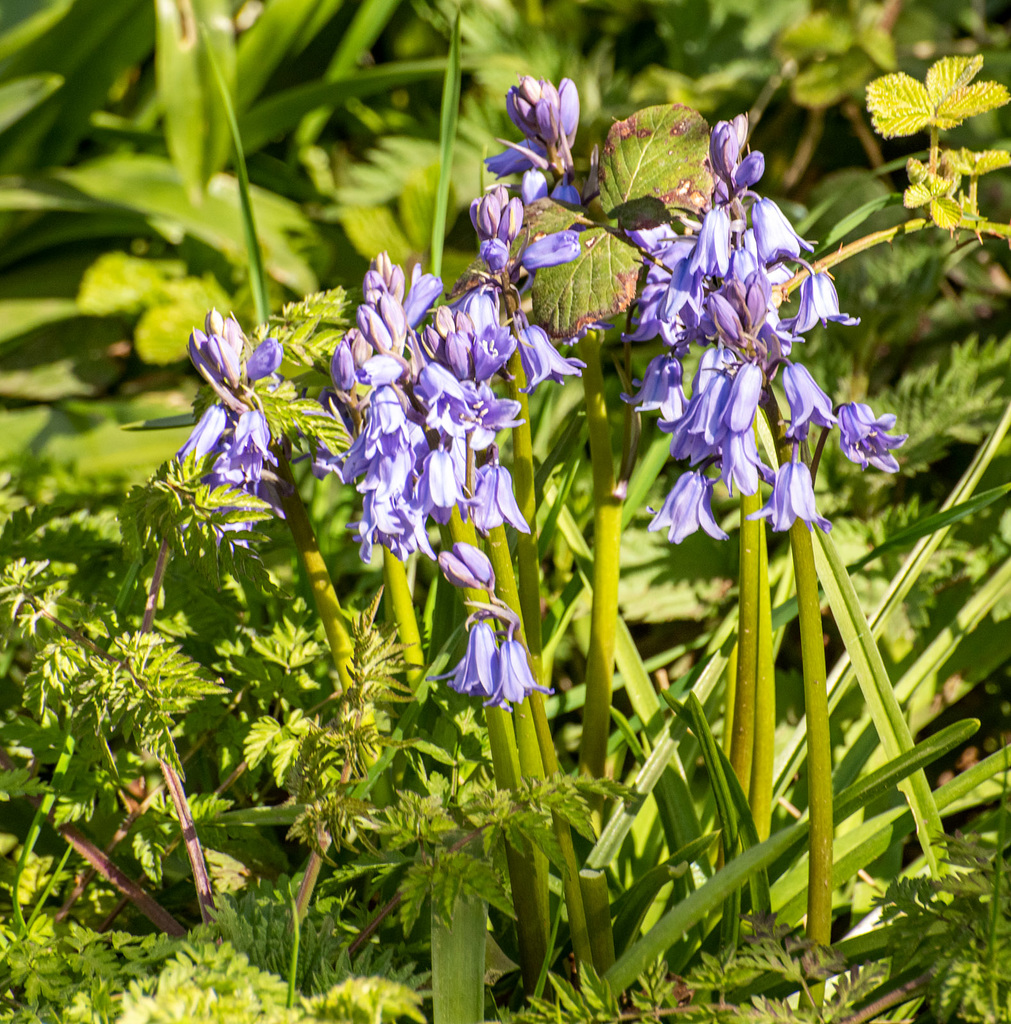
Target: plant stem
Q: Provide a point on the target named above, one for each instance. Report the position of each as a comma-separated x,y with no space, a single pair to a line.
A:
532,711
527,557
819,738
531,910
315,569
743,730
143,901
763,762
458,950
606,561
174,784
401,603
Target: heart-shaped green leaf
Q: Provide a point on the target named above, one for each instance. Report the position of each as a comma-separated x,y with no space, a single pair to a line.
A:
596,285
654,162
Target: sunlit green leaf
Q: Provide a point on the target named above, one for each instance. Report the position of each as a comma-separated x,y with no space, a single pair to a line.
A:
653,163
20,96
949,75
598,284
945,213
899,105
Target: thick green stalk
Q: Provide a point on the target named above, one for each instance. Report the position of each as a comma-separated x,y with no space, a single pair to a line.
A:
532,711
315,569
742,741
531,910
527,558
819,742
763,762
401,604
606,561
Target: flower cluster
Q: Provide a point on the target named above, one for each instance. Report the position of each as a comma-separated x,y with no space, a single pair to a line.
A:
234,428
716,288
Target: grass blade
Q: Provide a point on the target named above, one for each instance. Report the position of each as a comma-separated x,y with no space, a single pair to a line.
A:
447,139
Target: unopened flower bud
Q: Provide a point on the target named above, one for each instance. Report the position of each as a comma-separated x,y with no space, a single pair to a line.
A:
466,566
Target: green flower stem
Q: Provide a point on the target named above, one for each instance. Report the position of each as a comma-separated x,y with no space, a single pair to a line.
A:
531,909
819,743
606,559
401,604
742,741
315,569
819,738
844,252
763,761
532,712
458,966
526,545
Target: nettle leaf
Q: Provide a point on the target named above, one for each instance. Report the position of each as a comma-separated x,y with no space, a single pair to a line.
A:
654,162
598,284
950,74
973,164
945,213
899,105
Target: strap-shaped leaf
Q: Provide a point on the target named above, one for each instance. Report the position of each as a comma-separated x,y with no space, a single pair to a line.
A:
655,162
899,105
598,284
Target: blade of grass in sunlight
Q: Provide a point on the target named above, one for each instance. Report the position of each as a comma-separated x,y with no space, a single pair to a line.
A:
447,140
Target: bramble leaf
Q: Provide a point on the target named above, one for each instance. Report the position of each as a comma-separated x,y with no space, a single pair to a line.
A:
598,284
950,74
654,162
945,213
976,99
899,105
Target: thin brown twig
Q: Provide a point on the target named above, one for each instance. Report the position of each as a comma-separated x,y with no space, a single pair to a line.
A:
899,995
143,901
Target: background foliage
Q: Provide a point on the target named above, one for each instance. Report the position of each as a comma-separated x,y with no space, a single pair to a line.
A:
120,226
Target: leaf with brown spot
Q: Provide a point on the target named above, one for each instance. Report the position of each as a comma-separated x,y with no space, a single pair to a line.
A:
654,163
598,284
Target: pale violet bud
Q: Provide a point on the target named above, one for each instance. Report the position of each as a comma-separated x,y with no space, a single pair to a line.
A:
467,566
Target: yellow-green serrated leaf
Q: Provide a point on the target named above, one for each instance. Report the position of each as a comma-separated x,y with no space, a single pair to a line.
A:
916,170
945,213
968,102
957,161
989,160
950,74
899,105
598,284
654,162
939,185
916,195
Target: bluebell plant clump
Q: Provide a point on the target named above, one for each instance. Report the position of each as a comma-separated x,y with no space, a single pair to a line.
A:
717,288
234,429
414,382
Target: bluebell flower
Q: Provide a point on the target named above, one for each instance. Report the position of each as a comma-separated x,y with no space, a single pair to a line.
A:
660,388
712,251
342,367
792,498
207,432
516,681
477,674
774,234
808,403
687,508
818,301
542,361
551,251
864,438
467,566
440,487
494,501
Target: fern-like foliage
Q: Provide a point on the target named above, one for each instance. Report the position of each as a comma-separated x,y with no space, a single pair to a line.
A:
209,527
